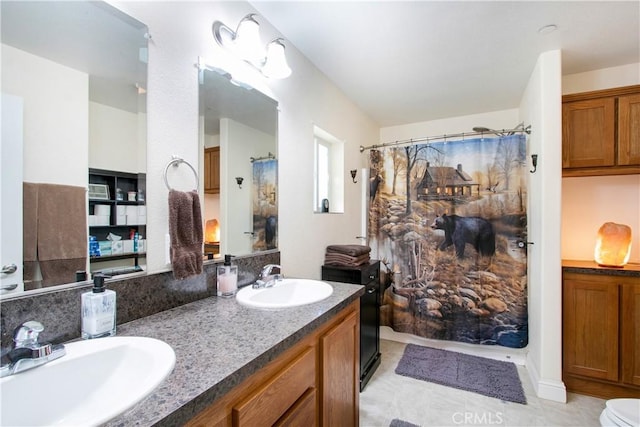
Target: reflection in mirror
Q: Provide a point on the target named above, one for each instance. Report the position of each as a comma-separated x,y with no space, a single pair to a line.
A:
74,80
239,138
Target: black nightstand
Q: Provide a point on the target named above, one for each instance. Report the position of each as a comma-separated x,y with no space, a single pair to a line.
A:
369,276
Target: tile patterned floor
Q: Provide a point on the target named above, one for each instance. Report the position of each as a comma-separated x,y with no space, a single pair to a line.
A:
389,396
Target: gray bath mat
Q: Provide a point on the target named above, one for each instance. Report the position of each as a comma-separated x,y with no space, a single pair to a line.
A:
489,377
399,423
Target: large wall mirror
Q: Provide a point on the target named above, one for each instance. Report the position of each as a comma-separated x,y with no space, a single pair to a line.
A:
238,137
74,79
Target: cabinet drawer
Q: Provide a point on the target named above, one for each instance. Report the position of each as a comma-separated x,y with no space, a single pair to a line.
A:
276,396
303,413
360,275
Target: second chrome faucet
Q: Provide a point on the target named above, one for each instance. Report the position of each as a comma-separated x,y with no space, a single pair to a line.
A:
267,278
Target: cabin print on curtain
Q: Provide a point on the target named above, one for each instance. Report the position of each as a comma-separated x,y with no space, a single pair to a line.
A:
448,220
265,204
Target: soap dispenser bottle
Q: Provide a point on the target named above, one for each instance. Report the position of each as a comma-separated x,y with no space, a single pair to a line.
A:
227,278
98,310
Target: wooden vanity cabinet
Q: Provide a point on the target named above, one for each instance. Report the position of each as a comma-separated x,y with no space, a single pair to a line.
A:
313,383
212,170
601,132
601,334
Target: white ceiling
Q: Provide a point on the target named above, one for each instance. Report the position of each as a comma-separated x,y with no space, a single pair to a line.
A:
404,62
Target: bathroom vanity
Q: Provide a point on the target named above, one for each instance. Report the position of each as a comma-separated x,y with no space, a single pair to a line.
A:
236,365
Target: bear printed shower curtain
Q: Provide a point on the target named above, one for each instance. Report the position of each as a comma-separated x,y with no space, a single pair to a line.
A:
448,221
265,204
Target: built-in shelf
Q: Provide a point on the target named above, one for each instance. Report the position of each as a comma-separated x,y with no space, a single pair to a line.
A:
119,185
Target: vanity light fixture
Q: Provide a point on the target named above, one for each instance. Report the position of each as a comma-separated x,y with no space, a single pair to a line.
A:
246,44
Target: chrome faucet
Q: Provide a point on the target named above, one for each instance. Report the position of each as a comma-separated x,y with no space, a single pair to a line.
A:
267,279
27,352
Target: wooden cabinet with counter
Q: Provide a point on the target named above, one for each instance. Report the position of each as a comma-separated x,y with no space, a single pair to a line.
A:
601,132
601,330
313,383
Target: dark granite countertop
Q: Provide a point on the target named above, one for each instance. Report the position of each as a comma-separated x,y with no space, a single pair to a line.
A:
590,267
219,343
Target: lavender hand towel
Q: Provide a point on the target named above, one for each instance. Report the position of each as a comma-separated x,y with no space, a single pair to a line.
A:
185,230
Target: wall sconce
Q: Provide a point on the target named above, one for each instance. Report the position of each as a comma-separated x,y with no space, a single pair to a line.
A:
246,44
613,245
353,175
239,180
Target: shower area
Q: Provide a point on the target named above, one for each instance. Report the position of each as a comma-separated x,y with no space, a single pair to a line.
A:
447,217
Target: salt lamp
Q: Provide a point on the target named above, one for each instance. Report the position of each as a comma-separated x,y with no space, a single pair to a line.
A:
613,245
212,231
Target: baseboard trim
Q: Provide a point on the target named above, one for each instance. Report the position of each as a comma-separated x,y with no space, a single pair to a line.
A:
545,389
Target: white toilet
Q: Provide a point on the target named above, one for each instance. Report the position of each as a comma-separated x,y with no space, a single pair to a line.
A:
621,413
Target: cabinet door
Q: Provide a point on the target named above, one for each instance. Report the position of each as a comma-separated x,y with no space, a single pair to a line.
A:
212,170
630,334
629,130
588,133
341,373
207,171
590,326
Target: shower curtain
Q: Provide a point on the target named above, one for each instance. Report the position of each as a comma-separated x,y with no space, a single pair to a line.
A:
265,204
448,221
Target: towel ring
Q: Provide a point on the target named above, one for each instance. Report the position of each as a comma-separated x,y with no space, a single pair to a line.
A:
175,162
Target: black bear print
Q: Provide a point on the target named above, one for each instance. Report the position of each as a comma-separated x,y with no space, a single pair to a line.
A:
459,231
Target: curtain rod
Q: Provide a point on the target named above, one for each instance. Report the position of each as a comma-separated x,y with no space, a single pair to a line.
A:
268,156
427,139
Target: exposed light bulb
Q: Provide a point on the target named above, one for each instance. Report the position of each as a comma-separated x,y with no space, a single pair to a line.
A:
247,41
276,65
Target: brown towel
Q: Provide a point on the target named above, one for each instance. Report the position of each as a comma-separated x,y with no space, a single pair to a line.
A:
30,221
351,250
55,232
185,229
58,271
30,233
62,223
345,260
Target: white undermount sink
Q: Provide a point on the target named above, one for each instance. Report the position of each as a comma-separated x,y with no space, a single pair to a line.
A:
94,382
285,293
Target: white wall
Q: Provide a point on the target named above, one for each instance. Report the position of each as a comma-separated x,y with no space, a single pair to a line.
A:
605,78
115,147
504,119
56,118
589,202
541,107
181,32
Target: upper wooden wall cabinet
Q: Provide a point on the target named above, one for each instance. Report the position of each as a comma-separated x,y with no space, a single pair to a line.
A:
601,132
212,170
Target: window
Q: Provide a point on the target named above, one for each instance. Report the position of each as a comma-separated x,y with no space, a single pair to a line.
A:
328,194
